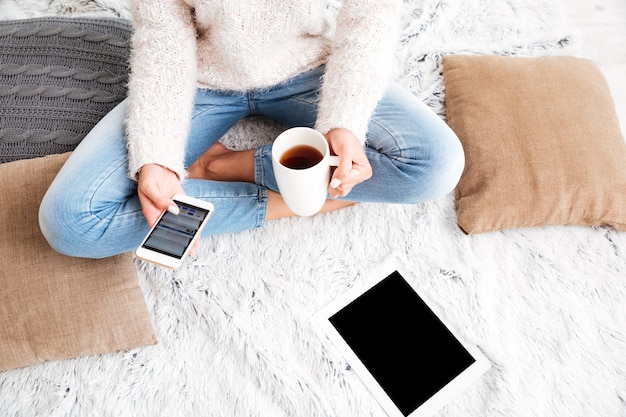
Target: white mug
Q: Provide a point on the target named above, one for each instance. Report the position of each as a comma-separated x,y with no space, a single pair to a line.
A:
304,189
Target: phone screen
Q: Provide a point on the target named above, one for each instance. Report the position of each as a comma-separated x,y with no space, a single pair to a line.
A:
173,233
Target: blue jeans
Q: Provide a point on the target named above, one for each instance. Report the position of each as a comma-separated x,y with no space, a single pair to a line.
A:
92,209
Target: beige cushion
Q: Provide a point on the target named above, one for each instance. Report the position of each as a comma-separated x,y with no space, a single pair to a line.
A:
53,306
542,143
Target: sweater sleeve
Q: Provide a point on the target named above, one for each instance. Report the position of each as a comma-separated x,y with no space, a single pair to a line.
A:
162,84
359,65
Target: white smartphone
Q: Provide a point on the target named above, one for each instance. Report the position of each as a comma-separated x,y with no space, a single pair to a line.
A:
172,236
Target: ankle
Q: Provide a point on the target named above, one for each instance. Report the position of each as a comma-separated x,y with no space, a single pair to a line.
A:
224,165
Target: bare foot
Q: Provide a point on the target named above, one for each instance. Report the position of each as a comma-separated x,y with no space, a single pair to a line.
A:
219,163
277,208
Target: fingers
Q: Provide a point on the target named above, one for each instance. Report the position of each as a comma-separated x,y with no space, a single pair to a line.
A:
336,182
156,187
343,181
195,247
353,168
173,208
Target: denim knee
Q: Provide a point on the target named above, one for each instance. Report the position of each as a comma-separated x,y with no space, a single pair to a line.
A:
437,172
58,227
450,165
73,227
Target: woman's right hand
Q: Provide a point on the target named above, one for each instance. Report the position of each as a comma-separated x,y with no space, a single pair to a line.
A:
156,187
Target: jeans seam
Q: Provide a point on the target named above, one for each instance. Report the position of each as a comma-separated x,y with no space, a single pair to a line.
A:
93,212
262,207
205,109
258,166
391,135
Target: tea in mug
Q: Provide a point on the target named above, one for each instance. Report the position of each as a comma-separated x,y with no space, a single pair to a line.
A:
301,157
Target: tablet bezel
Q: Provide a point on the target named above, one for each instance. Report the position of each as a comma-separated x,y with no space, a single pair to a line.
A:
441,397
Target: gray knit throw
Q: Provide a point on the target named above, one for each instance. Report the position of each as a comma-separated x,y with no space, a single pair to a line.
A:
58,78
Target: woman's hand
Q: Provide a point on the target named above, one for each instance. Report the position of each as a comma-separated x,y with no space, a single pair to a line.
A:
354,168
156,187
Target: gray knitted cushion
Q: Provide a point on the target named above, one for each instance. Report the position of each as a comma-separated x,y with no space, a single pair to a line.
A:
58,78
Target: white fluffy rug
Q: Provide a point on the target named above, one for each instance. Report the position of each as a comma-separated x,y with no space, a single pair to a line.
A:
547,305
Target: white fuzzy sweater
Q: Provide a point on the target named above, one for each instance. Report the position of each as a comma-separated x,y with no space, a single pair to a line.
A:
239,45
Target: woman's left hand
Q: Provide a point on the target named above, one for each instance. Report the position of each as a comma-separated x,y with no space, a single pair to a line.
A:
354,168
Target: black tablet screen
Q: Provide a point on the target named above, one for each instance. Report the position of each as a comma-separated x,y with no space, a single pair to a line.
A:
402,343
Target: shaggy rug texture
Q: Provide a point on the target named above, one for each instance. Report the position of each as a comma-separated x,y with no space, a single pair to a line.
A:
235,335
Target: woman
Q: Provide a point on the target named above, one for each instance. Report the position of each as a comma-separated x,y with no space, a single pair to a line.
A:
197,67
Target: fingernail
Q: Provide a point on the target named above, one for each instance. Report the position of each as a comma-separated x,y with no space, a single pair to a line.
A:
335,183
173,209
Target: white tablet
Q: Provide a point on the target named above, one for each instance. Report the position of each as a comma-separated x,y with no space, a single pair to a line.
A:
406,355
